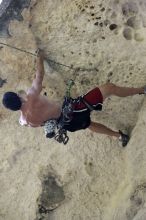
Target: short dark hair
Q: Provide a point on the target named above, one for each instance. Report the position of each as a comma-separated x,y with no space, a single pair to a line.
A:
12,101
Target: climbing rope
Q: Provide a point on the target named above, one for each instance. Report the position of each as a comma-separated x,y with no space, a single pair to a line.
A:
16,48
47,59
70,82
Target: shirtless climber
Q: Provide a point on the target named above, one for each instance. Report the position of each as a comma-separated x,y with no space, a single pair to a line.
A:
36,109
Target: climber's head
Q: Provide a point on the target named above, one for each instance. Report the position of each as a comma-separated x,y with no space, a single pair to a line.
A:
12,101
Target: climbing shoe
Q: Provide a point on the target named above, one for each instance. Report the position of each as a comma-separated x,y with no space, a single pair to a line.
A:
124,138
144,89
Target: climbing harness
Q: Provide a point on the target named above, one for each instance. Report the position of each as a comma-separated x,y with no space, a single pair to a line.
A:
54,128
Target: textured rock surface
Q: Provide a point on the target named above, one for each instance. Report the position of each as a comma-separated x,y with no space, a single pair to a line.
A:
92,177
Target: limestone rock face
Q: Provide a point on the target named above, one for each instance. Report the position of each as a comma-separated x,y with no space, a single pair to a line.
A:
92,177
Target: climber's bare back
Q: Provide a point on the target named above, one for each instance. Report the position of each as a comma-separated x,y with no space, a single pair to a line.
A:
38,109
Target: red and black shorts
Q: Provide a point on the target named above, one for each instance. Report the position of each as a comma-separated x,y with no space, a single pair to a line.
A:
81,114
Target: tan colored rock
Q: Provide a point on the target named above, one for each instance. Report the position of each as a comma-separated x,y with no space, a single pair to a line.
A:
97,178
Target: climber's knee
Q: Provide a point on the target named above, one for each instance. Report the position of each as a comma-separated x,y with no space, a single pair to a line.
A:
107,90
